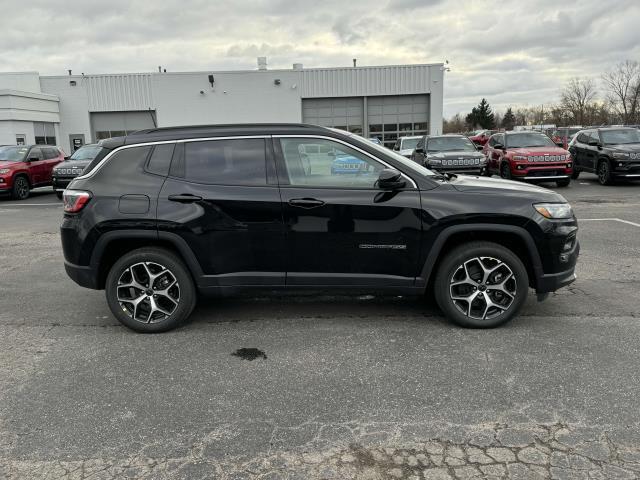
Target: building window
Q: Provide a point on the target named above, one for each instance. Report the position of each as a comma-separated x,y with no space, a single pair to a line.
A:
45,133
101,135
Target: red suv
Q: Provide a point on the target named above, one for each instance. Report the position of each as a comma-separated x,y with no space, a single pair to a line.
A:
481,137
530,156
24,167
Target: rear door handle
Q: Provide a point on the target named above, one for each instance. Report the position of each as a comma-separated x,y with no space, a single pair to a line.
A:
185,198
306,202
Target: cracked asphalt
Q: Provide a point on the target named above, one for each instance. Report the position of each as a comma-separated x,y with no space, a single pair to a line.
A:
348,387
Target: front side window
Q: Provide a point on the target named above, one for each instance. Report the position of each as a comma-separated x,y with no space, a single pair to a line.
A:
36,154
409,143
226,162
336,165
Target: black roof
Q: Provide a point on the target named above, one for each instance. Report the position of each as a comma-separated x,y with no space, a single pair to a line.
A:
201,131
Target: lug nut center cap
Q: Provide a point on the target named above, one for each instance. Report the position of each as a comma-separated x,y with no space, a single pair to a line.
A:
482,288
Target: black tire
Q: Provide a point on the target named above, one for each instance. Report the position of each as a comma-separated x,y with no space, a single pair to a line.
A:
563,183
143,260
505,171
575,174
604,173
59,195
513,278
21,188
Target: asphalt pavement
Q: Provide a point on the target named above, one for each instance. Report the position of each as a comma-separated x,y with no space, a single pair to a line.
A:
337,387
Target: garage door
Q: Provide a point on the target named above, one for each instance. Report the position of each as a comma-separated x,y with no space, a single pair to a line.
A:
342,113
394,116
117,124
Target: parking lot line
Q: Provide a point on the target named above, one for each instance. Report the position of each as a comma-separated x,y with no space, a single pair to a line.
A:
609,220
31,205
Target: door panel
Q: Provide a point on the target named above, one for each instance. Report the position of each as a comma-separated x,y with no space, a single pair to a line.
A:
235,231
340,228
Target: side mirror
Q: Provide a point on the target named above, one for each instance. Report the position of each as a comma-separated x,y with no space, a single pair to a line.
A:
390,179
560,144
479,147
594,143
33,159
66,158
419,149
498,146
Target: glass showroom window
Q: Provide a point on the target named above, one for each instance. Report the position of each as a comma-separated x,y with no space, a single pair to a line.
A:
45,133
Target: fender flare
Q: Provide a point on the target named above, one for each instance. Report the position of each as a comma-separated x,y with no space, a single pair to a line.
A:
438,244
153,235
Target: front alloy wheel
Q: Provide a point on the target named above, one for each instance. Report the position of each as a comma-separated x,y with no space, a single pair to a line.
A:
483,288
481,285
604,173
20,188
505,171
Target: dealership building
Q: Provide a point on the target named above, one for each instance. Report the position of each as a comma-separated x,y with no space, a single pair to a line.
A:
72,110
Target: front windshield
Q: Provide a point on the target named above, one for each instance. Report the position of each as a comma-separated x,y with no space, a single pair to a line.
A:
526,140
620,137
414,167
88,152
13,154
450,144
409,143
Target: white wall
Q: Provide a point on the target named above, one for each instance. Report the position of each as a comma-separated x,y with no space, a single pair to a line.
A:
234,98
23,81
9,129
74,108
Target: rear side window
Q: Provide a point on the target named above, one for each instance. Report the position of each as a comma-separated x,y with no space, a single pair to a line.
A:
226,162
160,159
50,153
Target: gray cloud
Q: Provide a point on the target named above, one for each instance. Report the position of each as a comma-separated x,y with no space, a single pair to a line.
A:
511,52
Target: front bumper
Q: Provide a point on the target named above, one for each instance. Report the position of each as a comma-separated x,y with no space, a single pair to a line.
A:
546,172
61,183
628,170
550,282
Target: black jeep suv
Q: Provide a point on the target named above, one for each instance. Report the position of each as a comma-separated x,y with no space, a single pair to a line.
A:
169,213
612,153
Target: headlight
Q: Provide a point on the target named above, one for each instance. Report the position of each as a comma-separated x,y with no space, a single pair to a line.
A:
520,158
4,170
554,210
621,155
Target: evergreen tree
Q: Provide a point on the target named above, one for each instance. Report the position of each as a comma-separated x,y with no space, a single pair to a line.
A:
509,120
481,116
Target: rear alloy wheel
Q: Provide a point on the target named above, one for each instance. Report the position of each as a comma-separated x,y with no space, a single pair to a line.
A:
604,173
563,183
505,171
150,290
481,285
20,190
575,174
59,195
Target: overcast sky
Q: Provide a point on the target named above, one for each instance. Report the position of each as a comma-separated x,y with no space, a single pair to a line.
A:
511,52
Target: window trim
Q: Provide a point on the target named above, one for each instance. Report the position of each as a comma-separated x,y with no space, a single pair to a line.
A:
354,147
160,142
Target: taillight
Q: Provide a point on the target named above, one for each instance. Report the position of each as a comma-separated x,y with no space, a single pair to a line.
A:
75,200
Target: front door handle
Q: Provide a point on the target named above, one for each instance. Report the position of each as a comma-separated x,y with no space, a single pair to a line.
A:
306,202
185,198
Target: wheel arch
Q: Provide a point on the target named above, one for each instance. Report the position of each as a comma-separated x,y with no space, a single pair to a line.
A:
515,238
113,245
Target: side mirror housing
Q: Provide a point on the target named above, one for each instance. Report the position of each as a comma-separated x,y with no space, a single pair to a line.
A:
390,179
479,147
560,143
498,146
594,143
419,149
33,159
66,158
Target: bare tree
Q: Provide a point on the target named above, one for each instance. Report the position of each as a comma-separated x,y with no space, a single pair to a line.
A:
623,86
577,96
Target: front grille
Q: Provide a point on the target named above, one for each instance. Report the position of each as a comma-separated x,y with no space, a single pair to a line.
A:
547,158
68,171
461,162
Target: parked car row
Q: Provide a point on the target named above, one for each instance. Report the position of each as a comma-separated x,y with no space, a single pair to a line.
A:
25,167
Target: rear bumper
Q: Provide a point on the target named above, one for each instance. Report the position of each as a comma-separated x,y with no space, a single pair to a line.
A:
82,275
